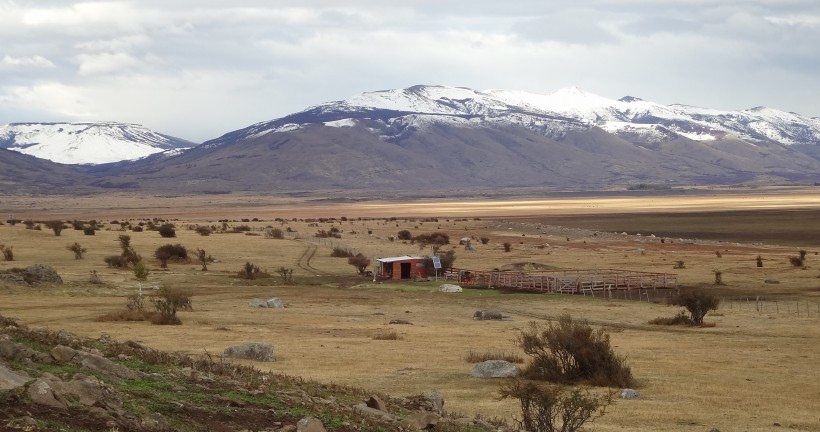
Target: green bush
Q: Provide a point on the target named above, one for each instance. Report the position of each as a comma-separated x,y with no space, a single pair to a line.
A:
554,408
697,302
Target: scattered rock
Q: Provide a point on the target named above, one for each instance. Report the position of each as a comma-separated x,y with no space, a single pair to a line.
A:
400,321
258,303
273,303
366,410
450,288
376,402
97,363
11,379
435,401
495,369
421,420
630,394
310,424
488,314
42,393
251,351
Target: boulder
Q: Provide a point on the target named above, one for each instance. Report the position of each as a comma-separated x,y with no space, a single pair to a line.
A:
310,424
42,273
376,402
258,303
275,303
630,394
11,379
42,393
97,363
495,369
366,410
251,351
450,288
435,401
488,314
421,420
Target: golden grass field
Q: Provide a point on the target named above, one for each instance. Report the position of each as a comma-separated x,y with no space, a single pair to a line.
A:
751,370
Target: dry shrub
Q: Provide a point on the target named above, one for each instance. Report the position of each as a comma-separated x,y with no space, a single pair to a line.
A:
341,252
203,230
387,335
484,240
436,238
551,408
167,303
274,233
116,261
359,261
679,319
251,271
478,356
567,351
507,246
167,230
796,261
8,253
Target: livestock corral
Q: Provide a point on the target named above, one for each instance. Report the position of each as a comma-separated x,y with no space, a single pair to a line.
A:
748,369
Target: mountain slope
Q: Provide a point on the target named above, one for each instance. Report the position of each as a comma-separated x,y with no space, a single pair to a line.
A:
86,143
21,173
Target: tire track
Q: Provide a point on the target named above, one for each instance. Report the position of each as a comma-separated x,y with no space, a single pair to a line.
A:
304,260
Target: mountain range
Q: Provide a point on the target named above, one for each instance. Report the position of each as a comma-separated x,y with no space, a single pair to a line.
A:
443,138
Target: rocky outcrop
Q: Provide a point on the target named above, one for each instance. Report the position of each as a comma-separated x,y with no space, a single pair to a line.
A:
495,369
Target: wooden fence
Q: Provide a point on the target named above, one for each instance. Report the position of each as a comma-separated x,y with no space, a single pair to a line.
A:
566,281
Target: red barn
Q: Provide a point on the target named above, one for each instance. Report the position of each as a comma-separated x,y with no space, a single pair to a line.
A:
403,267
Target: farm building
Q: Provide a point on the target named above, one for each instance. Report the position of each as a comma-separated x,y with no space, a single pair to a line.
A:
402,267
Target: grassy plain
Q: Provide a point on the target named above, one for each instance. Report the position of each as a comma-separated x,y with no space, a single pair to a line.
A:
753,369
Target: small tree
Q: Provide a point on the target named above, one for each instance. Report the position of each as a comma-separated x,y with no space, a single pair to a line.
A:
125,241
8,254
697,302
168,301
167,230
718,277
77,249
404,235
286,273
141,272
359,261
163,256
56,226
250,271
551,408
759,260
507,246
203,258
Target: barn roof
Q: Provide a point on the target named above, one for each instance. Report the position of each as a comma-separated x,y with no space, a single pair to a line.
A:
400,258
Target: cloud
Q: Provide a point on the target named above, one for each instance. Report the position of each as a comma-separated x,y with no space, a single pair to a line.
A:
30,61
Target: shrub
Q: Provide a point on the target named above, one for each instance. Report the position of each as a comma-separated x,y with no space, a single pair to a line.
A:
447,260
359,261
759,260
679,319
136,228
404,235
203,258
77,249
251,271
203,230
569,352
718,254
802,253
167,230
94,279
341,252
89,230
286,273
77,225
56,226
478,357
507,246
176,252
274,233
168,301
116,261
326,234
141,271
718,277
386,335
551,408
697,302
436,238
125,241
679,265
796,261
484,240
8,254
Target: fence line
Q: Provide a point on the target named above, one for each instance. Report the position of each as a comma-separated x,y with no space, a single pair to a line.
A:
761,305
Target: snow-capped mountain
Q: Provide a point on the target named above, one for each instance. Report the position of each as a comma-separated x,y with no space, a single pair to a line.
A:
552,115
86,143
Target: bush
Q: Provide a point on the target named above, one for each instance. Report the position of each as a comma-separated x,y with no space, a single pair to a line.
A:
125,241
679,319
141,271
507,246
447,260
203,230
116,261
56,226
484,240
359,261
177,252
274,233
404,235
168,302
386,335
478,357
436,238
796,261
77,249
341,252
570,352
286,274
251,271
697,302
167,230
718,277
89,230
203,258
8,254
550,408
759,261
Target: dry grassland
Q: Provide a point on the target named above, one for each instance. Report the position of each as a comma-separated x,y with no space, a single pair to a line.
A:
750,371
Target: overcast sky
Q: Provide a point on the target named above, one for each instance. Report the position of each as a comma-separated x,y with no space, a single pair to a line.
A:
197,69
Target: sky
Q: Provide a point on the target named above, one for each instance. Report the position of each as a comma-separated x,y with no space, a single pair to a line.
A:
197,69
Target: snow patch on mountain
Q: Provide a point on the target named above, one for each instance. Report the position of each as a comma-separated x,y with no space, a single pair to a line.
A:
86,143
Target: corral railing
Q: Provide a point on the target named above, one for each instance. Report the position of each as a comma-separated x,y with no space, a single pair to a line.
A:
563,281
